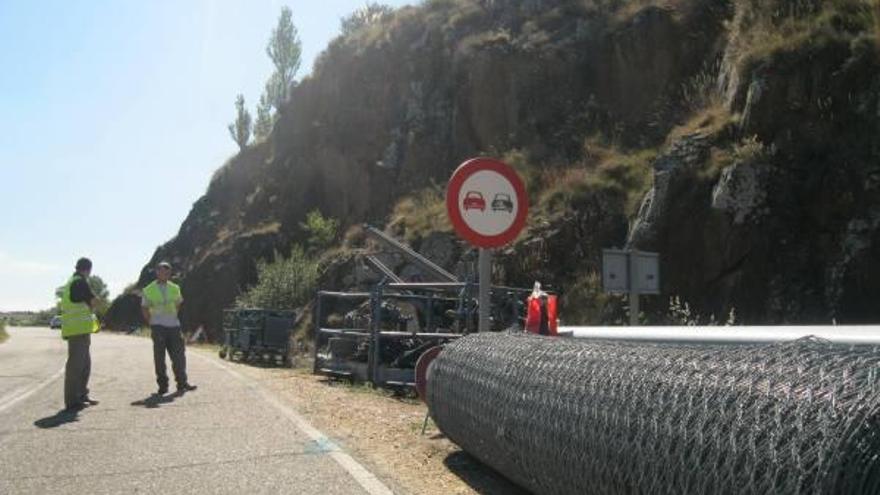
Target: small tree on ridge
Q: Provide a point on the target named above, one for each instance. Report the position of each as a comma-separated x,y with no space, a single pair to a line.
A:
265,119
240,130
285,51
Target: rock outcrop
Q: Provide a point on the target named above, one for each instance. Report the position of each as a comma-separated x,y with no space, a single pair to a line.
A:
786,232
773,211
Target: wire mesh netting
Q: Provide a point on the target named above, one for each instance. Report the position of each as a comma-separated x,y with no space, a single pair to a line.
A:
568,416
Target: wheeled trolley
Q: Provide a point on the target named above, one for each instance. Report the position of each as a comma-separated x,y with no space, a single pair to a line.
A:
257,335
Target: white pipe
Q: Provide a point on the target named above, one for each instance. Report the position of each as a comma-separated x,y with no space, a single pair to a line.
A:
842,334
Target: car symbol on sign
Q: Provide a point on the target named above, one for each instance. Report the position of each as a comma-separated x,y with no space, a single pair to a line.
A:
502,202
473,200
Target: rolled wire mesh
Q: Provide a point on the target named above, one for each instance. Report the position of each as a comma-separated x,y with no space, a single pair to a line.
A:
567,416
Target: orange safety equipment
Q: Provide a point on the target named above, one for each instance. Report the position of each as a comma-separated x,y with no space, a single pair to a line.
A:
533,317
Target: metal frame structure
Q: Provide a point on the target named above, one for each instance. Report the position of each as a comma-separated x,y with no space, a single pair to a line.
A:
377,338
362,354
377,370
408,252
380,267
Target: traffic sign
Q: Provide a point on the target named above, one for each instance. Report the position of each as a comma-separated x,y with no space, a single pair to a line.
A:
615,271
487,202
647,272
625,271
633,272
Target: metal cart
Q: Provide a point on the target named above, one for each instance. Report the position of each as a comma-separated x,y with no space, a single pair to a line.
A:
257,335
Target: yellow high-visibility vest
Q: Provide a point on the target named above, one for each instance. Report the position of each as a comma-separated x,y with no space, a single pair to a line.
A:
162,304
76,318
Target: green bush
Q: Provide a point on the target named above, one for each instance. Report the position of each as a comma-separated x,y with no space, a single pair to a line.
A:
3,334
321,230
681,313
283,283
584,301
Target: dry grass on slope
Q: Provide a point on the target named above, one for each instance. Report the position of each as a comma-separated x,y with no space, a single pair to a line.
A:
421,213
761,28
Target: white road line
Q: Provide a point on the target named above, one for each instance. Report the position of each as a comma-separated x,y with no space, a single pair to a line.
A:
365,478
13,399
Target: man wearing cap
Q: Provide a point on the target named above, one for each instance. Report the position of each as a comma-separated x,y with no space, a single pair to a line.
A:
160,305
78,323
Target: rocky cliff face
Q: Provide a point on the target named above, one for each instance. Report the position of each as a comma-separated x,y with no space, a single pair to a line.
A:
786,232
750,146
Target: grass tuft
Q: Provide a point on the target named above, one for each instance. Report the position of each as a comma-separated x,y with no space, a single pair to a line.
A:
606,170
707,121
421,213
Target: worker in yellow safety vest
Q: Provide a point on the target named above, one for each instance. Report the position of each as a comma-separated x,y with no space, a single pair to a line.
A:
160,304
78,323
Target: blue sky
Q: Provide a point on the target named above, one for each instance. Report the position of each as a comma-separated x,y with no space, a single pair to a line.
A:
114,117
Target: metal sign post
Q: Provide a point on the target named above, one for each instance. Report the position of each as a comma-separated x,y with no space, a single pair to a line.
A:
487,204
633,290
485,269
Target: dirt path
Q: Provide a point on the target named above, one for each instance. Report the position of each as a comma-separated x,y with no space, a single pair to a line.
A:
383,432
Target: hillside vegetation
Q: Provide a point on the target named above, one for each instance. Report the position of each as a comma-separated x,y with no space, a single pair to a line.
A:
735,137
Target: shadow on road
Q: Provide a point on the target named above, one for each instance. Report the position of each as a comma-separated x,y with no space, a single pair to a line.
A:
60,418
155,400
480,477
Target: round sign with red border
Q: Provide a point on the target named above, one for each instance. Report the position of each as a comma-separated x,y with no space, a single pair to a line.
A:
422,364
487,202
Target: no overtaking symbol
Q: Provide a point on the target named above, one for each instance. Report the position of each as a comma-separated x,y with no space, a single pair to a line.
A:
486,202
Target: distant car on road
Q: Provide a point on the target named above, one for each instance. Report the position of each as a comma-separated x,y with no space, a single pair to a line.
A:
502,202
55,322
473,200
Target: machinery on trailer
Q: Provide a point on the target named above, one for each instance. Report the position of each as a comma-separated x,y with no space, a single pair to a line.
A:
257,334
382,333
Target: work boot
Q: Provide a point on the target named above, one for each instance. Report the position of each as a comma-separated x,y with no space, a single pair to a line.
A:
88,401
186,387
162,390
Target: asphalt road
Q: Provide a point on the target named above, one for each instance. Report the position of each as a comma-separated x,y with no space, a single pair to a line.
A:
229,436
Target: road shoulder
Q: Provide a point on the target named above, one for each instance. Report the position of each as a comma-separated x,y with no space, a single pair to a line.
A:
382,431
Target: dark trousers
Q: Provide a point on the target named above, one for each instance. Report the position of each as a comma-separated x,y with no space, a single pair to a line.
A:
77,370
169,339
